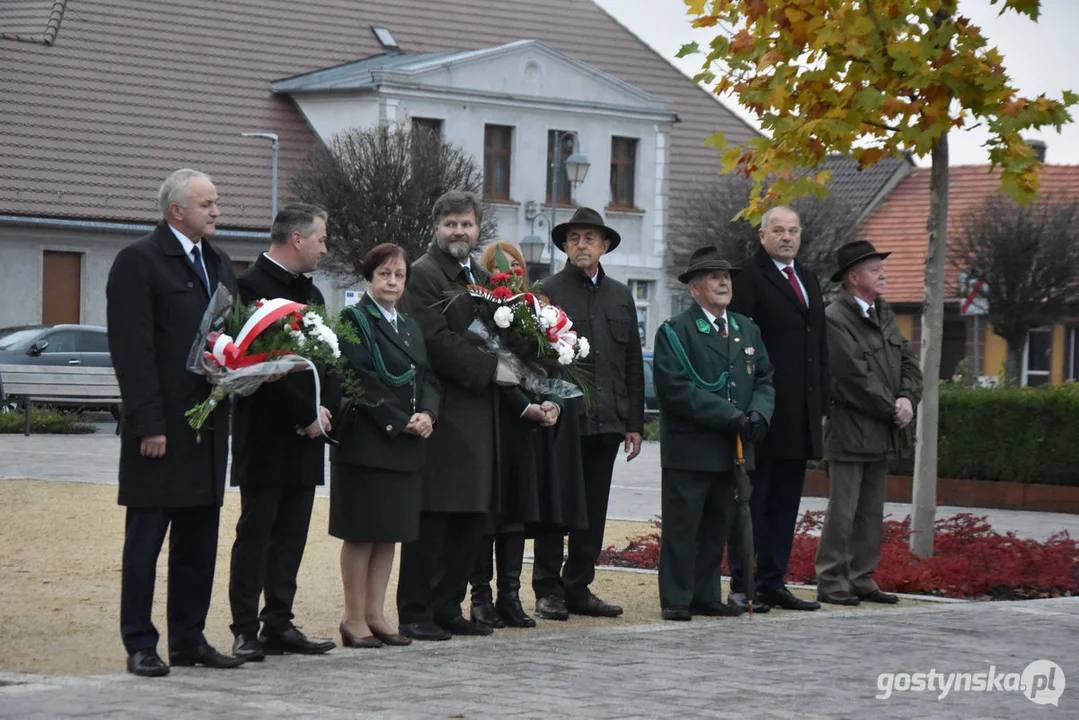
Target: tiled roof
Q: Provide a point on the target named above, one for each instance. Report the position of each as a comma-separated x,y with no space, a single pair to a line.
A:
130,90
860,189
34,21
898,225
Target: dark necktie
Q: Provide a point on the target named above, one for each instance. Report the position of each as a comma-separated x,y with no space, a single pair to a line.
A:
196,260
468,275
871,313
789,272
721,325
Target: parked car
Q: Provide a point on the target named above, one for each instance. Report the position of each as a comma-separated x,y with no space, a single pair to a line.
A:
651,402
55,345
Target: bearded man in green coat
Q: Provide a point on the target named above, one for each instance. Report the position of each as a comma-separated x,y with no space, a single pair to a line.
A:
714,382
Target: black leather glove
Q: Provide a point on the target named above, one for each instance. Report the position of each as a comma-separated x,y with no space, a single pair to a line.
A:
738,422
754,428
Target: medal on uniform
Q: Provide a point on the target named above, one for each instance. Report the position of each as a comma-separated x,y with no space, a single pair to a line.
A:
749,351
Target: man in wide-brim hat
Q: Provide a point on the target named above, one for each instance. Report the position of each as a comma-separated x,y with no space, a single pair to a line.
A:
602,310
876,383
713,381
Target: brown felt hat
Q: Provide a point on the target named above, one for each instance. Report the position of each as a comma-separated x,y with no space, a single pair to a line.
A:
853,253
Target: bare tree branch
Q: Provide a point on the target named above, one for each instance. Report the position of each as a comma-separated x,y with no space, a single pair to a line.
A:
1028,259
378,185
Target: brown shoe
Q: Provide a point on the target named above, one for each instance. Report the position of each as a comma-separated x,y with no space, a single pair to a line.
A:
592,606
879,596
350,640
838,598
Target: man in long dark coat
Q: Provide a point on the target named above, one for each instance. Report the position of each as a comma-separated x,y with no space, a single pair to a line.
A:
460,475
784,299
603,311
278,458
157,292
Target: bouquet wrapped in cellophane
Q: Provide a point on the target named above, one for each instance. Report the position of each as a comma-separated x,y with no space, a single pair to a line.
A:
522,327
240,346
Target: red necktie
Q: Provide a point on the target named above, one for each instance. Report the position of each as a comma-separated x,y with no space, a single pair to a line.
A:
789,272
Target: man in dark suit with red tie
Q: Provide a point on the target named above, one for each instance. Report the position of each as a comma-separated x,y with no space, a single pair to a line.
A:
170,481
784,299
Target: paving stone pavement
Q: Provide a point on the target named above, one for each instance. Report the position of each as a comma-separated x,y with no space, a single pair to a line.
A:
780,665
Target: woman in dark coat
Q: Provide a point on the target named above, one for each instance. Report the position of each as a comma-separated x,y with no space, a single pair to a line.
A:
541,485
376,472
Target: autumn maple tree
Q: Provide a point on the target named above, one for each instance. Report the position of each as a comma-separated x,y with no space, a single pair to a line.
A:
868,79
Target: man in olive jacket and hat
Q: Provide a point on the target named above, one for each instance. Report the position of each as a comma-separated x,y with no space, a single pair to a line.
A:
876,384
714,382
603,311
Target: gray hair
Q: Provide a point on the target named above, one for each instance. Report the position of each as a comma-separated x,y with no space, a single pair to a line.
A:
457,201
174,189
295,217
768,215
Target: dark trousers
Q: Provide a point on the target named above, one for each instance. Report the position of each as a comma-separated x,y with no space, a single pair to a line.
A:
435,568
192,557
270,539
698,511
509,552
598,453
777,495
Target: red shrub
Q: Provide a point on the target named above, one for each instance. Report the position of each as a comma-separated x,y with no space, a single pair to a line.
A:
971,560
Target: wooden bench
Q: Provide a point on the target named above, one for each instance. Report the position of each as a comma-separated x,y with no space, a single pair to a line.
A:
78,387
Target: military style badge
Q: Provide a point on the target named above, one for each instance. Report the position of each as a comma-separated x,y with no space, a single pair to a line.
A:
751,366
703,326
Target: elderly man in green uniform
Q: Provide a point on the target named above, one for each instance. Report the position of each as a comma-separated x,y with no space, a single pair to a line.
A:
714,382
876,384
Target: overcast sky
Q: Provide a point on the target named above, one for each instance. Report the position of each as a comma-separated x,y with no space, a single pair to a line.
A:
1036,55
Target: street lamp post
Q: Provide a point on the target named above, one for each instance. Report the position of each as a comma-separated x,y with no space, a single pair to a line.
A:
272,137
576,169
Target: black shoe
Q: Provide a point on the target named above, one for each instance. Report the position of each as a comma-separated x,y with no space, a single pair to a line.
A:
677,613
249,648
295,642
784,598
738,601
460,626
718,609
204,655
838,598
146,663
423,630
512,613
484,614
551,607
592,606
879,596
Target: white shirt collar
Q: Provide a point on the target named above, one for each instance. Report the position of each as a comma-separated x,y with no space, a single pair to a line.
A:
392,317
862,304
712,318
185,241
782,266
267,256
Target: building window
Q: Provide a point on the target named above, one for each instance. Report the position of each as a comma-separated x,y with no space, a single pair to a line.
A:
623,171
497,146
1037,357
642,296
566,149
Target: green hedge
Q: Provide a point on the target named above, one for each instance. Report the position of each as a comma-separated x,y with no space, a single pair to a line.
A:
44,420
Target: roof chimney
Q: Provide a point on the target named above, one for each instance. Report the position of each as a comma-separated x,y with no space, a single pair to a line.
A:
1038,146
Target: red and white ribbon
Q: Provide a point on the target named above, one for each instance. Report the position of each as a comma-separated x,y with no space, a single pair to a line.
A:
230,353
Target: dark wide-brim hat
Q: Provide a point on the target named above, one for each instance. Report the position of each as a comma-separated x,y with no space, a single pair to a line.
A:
705,259
853,253
586,217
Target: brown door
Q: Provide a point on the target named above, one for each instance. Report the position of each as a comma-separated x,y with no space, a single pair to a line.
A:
61,288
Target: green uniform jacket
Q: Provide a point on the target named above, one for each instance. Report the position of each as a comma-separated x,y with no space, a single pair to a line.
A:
872,365
697,428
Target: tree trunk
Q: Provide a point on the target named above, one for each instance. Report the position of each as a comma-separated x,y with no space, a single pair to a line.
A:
1013,363
924,496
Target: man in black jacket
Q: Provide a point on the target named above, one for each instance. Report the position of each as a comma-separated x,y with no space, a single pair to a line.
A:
784,299
602,310
157,292
278,458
